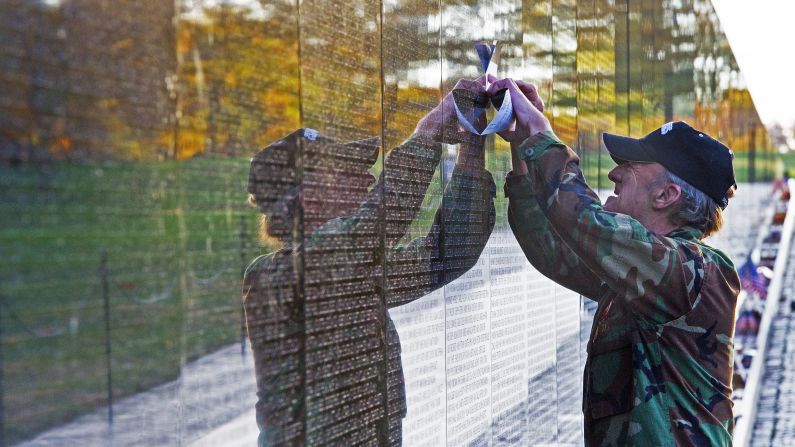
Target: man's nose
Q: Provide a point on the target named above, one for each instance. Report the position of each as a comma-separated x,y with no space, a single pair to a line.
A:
614,175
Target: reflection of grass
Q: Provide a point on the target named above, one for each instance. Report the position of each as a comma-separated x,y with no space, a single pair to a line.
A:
172,233
788,161
595,166
764,167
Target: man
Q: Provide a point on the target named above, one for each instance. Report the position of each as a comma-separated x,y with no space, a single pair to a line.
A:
659,362
326,352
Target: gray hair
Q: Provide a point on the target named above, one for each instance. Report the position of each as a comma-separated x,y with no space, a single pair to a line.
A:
696,209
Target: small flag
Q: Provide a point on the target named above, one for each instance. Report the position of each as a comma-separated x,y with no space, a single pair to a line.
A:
750,279
485,51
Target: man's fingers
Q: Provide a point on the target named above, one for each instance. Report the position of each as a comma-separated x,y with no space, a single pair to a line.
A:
531,92
517,95
527,90
498,85
471,85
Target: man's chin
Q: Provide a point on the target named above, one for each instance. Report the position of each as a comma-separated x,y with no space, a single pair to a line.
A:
610,204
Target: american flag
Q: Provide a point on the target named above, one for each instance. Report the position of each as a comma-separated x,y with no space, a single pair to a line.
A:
750,279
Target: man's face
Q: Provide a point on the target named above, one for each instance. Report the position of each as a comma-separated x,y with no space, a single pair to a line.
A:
633,191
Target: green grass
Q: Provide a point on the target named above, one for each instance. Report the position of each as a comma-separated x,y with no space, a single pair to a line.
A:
788,163
172,233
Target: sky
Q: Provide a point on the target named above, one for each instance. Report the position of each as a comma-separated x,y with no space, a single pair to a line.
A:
762,36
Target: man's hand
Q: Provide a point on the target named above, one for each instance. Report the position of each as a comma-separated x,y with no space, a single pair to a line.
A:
441,124
527,108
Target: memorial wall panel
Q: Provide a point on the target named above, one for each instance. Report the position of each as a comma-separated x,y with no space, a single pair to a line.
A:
466,302
158,159
414,266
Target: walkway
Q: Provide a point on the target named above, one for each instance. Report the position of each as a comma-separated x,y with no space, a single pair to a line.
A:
775,418
195,410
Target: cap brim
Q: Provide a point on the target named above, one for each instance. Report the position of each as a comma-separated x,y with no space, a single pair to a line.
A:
623,148
365,150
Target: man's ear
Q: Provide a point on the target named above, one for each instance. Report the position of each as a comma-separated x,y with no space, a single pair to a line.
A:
667,195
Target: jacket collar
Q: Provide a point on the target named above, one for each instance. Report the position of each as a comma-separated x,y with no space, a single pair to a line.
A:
686,233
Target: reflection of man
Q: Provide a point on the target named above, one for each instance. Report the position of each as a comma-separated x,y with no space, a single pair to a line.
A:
327,355
660,353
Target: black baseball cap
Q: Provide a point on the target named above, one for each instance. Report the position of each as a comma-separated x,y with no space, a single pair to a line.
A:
272,171
690,154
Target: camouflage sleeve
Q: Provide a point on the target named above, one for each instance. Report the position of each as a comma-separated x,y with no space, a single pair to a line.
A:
408,170
659,277
460,230
541,244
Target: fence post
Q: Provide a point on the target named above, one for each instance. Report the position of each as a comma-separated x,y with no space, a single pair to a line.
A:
2,389
103,272
242,238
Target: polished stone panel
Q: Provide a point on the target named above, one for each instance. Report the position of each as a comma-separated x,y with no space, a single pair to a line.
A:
158,158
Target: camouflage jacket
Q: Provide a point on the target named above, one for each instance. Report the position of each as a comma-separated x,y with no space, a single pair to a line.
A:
659,362
326,353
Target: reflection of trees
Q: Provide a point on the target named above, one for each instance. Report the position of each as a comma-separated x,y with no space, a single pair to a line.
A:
88,80
673,62
409,46
85,79
596,72
238,78
32,92
722,104
141,80
118,60
341,68
564,70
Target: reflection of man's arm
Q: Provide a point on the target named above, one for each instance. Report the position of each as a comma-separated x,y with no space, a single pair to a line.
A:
408,177
461,227
408,170
541,244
